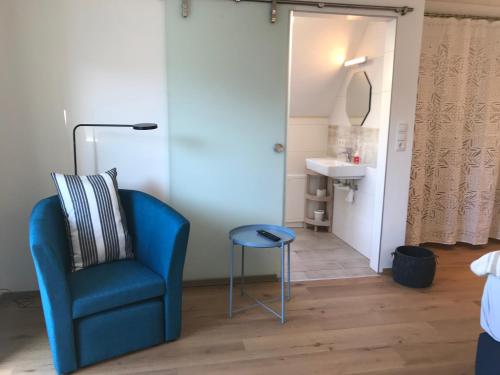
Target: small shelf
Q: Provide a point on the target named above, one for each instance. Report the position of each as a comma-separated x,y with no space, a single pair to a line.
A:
324,223
312,201
312,197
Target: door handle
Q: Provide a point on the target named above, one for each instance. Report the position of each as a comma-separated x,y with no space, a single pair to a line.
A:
279,148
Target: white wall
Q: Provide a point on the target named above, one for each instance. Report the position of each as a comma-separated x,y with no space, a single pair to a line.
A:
403,101
116,72
101,61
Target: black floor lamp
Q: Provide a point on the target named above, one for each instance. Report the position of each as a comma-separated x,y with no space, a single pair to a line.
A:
141,126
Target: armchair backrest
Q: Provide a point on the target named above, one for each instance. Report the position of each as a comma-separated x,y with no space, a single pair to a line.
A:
49,235
48,230
159,234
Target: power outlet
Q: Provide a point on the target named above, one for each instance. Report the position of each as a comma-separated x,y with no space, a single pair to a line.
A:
402,137
401,146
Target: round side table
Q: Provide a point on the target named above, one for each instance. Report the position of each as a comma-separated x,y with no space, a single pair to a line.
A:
247,237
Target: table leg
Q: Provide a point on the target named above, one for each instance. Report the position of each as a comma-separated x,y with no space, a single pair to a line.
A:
288,282
231,255
242,270
282,251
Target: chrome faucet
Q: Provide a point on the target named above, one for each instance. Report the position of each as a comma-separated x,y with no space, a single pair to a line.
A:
348,153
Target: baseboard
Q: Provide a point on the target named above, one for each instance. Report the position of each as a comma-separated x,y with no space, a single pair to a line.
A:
10,296
225,280
23,300
295,224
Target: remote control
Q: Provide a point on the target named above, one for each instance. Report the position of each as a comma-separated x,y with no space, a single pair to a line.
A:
268,235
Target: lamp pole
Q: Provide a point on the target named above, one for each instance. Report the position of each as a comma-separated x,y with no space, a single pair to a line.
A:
140,126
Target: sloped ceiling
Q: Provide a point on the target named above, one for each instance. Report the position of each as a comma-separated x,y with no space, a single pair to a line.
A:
320,44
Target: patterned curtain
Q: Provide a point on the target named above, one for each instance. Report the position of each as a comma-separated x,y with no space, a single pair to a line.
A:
455,177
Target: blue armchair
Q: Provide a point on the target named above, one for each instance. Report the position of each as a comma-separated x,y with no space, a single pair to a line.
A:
115,308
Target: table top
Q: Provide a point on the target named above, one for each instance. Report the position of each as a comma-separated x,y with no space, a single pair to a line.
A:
247,235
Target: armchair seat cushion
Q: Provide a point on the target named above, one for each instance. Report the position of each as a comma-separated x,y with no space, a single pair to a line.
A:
106,286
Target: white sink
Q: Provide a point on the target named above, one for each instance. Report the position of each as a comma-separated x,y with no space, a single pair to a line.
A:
336,168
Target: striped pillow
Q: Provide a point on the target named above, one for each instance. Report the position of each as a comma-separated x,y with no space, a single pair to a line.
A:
95,221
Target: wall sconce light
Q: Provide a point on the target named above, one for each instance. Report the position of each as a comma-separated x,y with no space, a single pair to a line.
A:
337,56
356,61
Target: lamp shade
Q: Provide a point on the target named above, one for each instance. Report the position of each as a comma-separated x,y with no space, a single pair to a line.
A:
145,126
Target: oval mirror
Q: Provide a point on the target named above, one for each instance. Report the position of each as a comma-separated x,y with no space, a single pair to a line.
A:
358,98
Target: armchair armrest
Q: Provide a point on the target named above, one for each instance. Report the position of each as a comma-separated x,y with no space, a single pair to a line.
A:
49,248
159,237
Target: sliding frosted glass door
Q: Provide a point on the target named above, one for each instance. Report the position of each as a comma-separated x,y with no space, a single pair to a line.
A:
227,88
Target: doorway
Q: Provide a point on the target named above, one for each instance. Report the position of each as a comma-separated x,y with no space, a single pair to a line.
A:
340,83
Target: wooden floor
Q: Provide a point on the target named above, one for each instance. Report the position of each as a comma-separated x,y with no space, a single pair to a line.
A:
351,326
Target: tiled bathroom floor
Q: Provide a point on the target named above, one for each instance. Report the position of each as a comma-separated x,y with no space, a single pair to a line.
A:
322,255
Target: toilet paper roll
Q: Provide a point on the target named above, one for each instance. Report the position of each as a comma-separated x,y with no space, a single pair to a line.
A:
318,215
321,192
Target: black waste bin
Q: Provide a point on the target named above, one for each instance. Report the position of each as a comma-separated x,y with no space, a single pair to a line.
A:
414,266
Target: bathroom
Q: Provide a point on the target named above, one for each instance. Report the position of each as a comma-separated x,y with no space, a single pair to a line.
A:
340,82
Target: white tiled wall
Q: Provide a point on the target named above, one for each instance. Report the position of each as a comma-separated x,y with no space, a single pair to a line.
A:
359,223
307,137
353,222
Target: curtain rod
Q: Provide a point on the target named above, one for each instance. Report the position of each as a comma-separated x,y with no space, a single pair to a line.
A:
401,10
461,16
